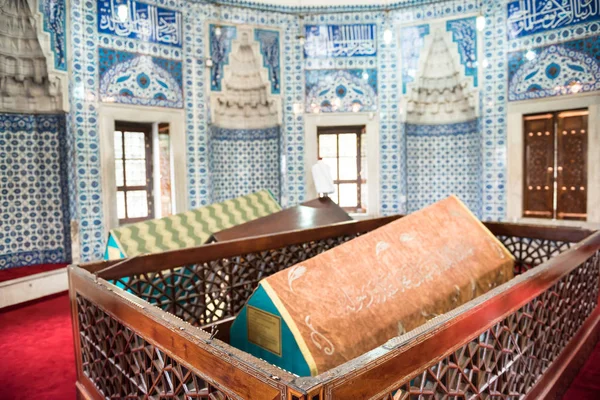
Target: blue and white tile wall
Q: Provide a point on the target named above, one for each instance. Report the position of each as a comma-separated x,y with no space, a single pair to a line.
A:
107,47
244,161
179,37
442,160
341,90
442,137
413,25
500,77
245,110
341,61
34,216
553,48
288,83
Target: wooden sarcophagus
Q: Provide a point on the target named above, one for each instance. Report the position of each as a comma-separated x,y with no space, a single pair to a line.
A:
344,302
524,338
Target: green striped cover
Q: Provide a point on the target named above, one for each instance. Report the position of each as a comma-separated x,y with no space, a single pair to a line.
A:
188,229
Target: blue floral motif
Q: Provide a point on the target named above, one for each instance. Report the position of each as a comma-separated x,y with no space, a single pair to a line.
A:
54,17
464,33
138,79
220,47
558,69
269,48
341,90
412,40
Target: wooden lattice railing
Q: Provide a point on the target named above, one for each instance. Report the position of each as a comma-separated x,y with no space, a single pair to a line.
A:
207,292
508,358
139,340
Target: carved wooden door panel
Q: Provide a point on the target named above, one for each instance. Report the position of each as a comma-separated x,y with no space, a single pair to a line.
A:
572,131
538,191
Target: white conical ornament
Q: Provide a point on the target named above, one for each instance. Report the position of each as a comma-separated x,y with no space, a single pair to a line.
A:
244,102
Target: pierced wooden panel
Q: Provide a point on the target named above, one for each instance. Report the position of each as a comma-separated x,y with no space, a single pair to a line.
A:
572,165
123,365
209,292
538,190
505,361
530,253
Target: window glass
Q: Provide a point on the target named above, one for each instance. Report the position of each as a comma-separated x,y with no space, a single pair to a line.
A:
348,195
328,145
343,150
133,171
137,203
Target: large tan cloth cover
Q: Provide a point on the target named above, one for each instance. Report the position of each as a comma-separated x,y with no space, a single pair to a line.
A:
353,298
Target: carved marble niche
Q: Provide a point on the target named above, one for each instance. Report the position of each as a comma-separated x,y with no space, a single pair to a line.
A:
441,93
29,82
245,101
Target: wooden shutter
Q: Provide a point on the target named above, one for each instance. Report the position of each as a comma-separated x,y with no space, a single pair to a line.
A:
538,191
572,131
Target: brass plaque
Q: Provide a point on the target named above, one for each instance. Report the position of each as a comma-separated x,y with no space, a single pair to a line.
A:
264,330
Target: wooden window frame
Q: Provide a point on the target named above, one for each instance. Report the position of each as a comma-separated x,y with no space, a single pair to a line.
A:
146,128
359,130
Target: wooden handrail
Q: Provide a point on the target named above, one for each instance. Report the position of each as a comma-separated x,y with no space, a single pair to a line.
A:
209,252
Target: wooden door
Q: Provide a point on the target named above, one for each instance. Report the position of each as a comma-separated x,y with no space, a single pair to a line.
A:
538,191
572,133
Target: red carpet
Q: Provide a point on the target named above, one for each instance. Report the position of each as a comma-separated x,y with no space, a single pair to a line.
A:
586,385
36,351
19,272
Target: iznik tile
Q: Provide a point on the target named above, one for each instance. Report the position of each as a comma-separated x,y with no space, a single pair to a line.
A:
139,79
34,210
563,68
54,23
349,90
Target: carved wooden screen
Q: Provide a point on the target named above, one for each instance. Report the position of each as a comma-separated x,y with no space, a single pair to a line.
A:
555,165
538,199
572,164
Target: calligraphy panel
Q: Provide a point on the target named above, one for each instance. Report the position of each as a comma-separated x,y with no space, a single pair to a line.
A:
334,41
136,20
535,16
